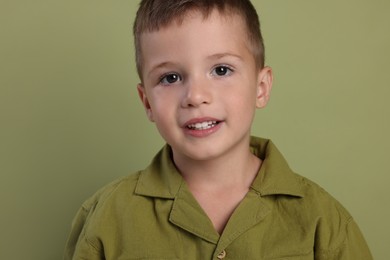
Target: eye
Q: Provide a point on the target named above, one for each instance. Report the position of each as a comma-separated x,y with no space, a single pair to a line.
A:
169,78
222,70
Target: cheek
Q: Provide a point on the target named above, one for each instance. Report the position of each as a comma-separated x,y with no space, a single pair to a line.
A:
244,98
162,107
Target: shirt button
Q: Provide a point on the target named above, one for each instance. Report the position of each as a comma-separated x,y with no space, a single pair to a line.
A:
222,255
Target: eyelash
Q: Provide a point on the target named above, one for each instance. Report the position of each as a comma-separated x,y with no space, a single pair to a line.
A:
163,80
228,72
165,77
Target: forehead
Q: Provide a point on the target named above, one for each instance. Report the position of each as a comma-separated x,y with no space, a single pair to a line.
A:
196,32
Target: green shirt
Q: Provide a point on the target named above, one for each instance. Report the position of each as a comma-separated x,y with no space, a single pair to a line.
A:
152,215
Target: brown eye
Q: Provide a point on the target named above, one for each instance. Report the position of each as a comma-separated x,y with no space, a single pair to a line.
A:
170,78
222,71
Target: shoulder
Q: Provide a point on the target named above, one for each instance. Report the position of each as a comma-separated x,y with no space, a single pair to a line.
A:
336,232
320,200
308,204
87,224
119,189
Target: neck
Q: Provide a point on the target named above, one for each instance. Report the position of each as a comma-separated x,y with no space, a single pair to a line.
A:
233,170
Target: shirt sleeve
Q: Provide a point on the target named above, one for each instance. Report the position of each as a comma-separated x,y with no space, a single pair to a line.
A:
354,246
78,247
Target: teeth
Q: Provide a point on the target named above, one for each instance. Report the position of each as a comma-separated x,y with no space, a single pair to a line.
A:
202,125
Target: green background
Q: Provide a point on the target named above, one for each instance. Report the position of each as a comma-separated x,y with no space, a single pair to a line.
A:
71,121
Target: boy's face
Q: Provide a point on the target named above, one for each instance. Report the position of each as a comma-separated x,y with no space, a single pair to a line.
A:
201,86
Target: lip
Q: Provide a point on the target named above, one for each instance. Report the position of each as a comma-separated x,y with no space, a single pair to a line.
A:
202,132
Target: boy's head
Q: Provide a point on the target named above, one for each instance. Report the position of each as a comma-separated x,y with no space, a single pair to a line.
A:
202,75
155,14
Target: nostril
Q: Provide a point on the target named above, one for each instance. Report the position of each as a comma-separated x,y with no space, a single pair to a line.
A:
196,99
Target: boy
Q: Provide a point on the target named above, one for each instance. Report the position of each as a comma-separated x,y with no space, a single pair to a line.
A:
213,192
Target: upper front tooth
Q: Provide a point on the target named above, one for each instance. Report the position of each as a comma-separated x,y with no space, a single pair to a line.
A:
203,124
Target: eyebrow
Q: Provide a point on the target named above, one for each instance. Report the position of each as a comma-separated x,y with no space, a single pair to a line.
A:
224,54
160,65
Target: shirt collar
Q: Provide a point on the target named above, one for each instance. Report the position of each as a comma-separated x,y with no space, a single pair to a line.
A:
162,179
275,176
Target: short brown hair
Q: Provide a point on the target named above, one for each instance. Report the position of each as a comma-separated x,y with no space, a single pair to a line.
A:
154,14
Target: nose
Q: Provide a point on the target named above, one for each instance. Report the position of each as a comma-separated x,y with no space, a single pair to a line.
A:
197,92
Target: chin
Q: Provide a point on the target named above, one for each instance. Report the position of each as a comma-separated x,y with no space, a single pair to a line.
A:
203,154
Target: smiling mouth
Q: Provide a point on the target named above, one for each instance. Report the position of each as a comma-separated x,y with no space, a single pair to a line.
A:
202,125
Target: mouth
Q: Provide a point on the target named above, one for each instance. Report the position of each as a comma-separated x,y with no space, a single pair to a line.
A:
202,125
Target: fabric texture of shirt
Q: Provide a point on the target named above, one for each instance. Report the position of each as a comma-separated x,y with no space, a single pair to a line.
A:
152,214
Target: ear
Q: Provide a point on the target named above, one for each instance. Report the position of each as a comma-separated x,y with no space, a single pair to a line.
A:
264,86
145,101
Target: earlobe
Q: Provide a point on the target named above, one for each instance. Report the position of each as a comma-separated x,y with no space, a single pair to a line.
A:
264,86
145,102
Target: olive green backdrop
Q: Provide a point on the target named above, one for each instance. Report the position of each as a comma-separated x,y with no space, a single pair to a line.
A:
71,121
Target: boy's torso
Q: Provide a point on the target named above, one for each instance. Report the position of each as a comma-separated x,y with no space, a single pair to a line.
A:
153,215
